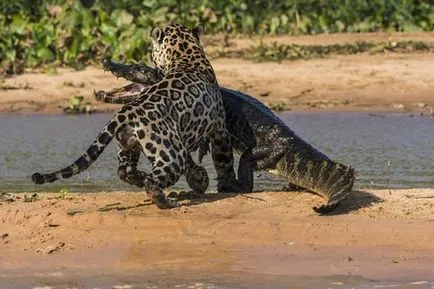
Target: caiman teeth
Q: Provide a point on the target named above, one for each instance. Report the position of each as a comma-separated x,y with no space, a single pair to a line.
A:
115,90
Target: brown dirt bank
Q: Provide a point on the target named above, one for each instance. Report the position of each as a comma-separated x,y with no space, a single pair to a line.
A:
240,42
374,233
386,82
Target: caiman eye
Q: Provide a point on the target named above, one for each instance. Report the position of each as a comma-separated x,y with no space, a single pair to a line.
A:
198,31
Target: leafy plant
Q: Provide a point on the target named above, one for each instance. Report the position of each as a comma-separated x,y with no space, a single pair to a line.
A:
62,193
76,106
280,106
50,70
278,52
35,33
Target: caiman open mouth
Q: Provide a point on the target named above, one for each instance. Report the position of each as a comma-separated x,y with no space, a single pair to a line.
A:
125,71
130,90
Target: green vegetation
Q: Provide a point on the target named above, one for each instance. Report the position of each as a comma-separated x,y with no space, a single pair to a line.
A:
280,106
63,193
278,52
4,86
77,106
60,32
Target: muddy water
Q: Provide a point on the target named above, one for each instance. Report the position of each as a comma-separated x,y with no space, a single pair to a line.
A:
153,279
393,150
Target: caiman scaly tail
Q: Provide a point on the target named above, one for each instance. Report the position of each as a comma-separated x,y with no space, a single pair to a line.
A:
288,155
310,169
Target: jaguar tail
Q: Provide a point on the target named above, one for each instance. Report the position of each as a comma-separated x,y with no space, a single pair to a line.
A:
91,154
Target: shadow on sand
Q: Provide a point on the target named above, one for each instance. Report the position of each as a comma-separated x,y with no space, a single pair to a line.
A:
355,201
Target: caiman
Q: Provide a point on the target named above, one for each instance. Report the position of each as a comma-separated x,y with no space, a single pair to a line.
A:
262,139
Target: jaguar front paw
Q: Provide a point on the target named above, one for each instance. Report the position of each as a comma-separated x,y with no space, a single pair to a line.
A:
163,202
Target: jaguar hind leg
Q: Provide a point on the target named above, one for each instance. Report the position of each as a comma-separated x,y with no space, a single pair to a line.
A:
129,151
127,169
223,159
128,155
168,159
153,183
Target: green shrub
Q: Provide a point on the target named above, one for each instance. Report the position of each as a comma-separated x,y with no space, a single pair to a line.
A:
74,33
278,52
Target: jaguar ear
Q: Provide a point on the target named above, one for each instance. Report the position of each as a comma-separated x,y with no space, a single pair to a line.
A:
198,30
157,34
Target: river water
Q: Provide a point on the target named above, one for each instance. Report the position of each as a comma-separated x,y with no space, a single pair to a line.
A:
153,279
387,150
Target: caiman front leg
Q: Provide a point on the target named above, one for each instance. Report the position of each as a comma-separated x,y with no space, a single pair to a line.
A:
245,171
261,158
265,157
223,160
245,167
255,159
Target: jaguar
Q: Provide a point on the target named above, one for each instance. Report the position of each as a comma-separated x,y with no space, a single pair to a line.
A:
168,121
263,141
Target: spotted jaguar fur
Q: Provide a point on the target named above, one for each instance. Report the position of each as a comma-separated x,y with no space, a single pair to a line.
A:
168,121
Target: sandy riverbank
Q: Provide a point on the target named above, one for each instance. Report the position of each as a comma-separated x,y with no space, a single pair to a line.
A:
374,233
382,82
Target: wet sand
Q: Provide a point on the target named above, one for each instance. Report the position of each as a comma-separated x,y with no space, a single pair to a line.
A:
374,234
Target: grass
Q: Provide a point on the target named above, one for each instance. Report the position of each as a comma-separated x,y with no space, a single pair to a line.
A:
76,105
280,106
